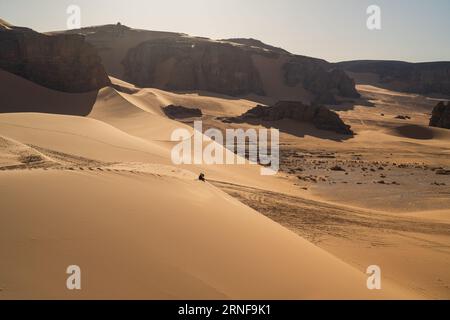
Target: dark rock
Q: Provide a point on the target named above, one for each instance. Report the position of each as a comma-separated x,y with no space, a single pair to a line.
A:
337,168
401,117
441,116
320,116
443,172
180,112
60,62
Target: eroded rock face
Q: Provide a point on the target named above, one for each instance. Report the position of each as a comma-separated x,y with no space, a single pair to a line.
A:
320,116
315,77
441,116
60,62
175,61
192,64
227,67
421,78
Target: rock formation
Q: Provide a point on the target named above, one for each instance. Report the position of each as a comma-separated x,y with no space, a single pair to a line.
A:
320,116
421,78
180,112
315,77
227,67
176,61
192,64
440,116
60,62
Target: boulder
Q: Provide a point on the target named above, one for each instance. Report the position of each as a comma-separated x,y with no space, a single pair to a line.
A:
440,116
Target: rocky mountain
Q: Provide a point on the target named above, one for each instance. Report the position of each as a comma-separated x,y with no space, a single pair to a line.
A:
60,62
321,117
421,78
440,116
236,67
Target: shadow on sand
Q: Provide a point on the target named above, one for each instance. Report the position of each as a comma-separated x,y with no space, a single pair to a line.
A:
298,129
20,95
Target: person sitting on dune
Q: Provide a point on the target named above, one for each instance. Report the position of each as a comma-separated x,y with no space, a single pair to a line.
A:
202,177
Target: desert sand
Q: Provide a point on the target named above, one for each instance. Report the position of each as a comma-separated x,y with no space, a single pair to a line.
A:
98,189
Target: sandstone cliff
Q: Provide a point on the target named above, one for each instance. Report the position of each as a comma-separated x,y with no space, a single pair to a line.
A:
60,62
421,78
315,76
175,61
192,64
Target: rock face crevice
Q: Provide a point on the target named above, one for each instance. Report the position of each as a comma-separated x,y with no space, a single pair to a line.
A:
320,116
61,62
440,116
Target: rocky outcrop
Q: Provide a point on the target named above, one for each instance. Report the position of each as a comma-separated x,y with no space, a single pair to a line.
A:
421,78
440,116
180,112
323,83
192,64
60,62
320,116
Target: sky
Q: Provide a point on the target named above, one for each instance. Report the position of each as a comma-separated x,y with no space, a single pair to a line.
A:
335,30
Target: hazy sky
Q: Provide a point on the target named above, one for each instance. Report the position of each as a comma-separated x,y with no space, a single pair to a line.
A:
412,30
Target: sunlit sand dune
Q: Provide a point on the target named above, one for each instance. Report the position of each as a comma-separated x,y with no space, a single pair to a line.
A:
102,193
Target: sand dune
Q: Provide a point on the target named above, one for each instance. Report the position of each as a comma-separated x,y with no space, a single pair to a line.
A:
140,227
20,95
151,100
156,237
273,80
147,122
421,132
